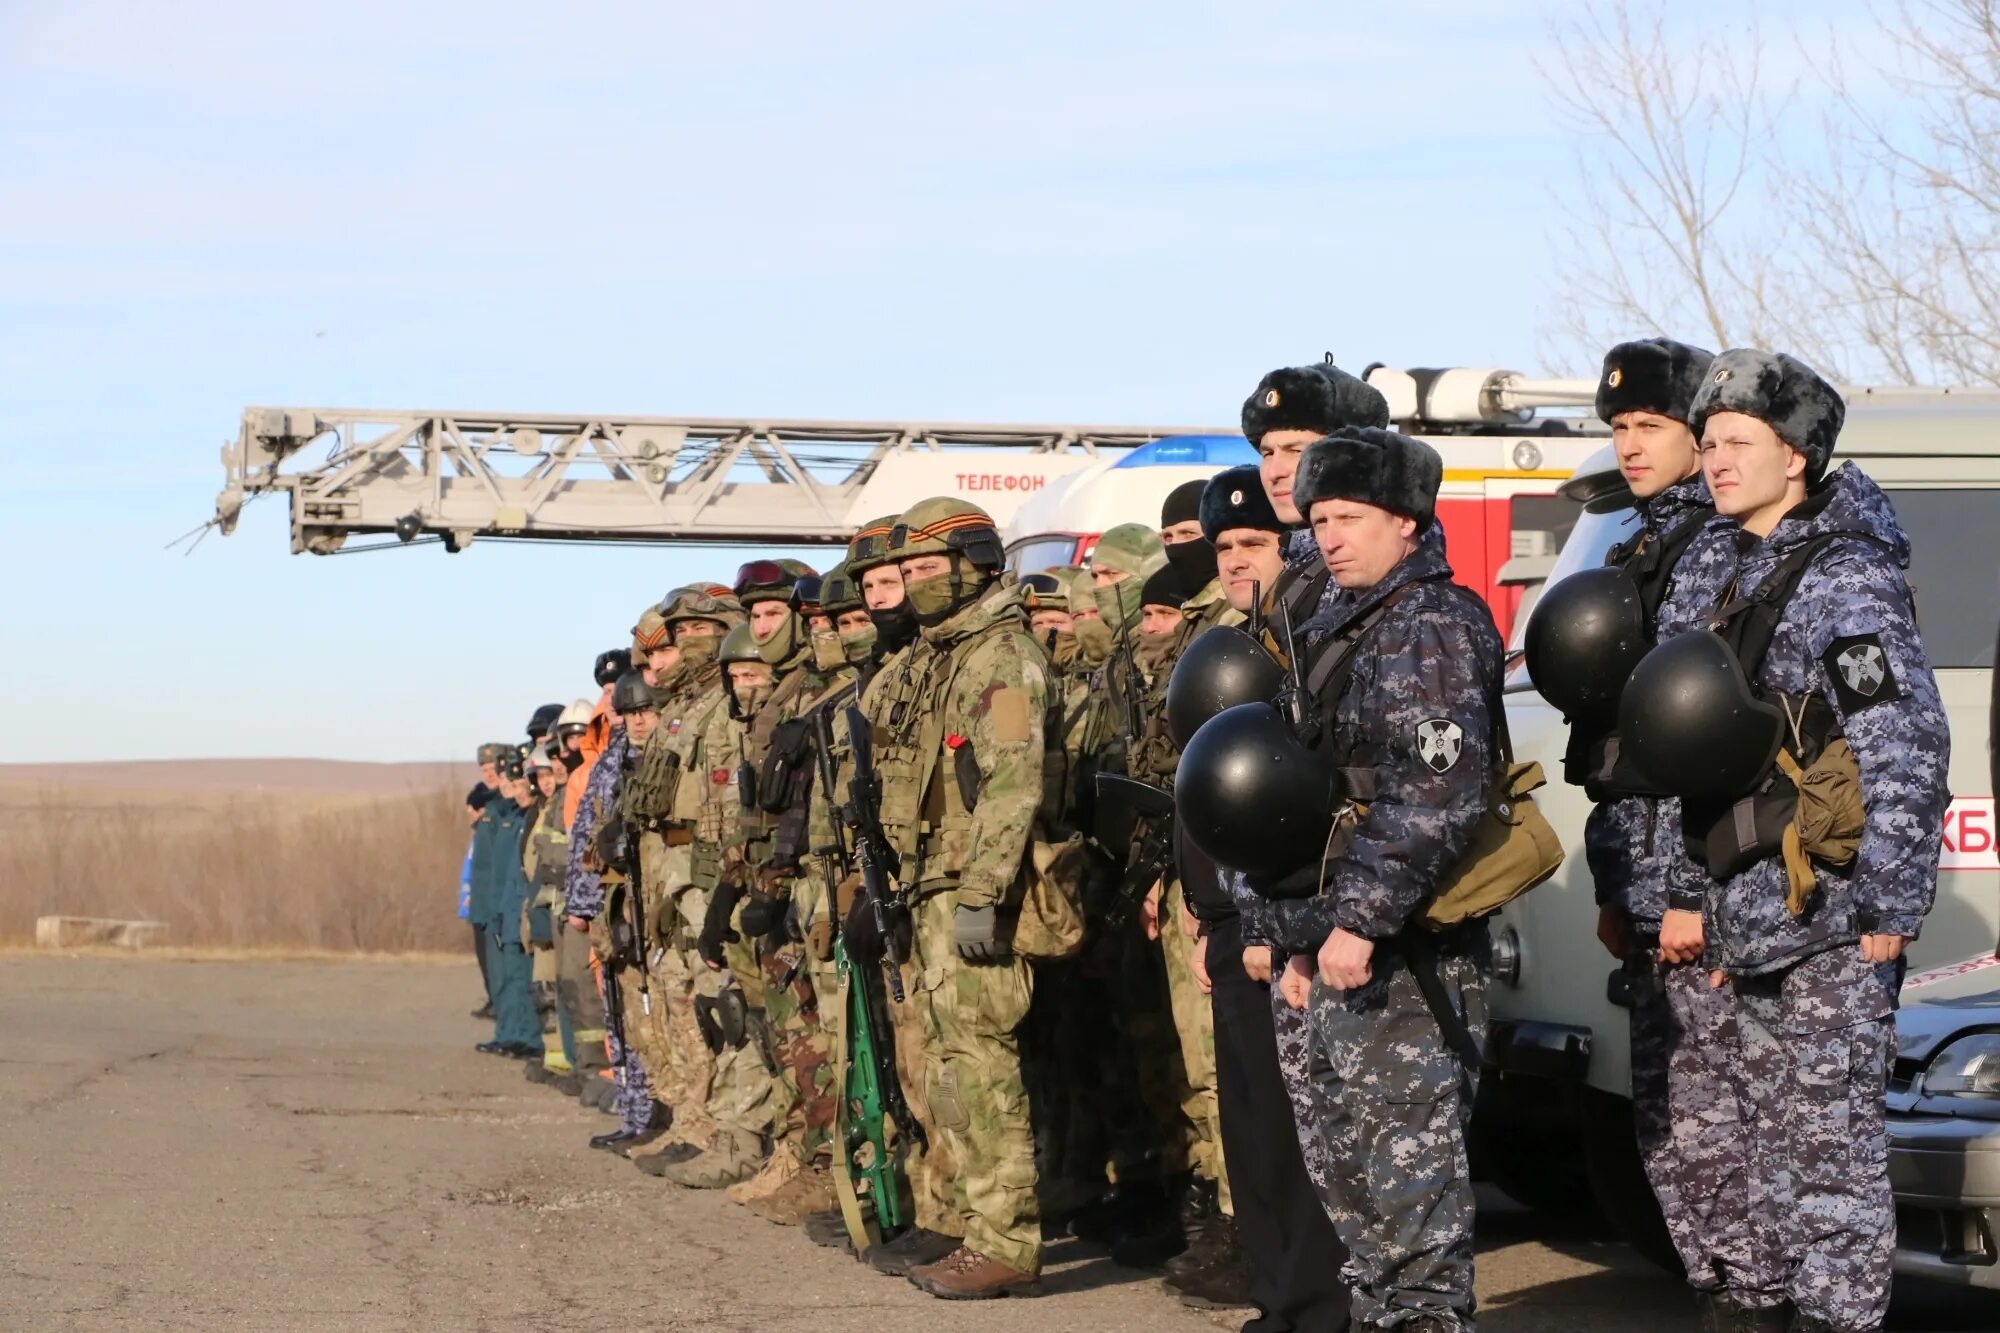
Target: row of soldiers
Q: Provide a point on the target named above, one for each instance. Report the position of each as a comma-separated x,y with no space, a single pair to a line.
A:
821,898
942,911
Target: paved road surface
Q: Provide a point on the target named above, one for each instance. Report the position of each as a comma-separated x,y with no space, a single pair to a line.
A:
278,1146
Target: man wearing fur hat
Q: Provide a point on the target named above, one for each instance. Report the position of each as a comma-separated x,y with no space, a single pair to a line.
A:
1810,945
1408,702
1683,1030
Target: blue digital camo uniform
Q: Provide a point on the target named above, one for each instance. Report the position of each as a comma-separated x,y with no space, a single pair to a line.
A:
1393,1098
583,895
1689,1106
1814,1019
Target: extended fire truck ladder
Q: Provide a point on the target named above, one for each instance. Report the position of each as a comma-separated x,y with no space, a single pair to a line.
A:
455,476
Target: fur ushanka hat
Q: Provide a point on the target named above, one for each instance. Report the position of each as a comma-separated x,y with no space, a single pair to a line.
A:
1652,375
1783,392
1371,466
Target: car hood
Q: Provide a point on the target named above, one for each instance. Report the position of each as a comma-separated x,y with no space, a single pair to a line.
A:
1942,1002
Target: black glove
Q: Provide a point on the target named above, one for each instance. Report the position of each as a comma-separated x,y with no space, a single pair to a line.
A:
762,914
715,929
975,933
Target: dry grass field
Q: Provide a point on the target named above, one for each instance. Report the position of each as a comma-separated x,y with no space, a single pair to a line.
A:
250,854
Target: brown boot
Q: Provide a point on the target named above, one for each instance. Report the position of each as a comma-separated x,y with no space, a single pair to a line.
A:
809,1191
967,1275
774,1175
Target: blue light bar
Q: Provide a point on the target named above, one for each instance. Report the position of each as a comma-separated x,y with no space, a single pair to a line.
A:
1217,451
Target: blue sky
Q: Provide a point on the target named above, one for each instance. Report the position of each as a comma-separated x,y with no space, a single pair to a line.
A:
1111,212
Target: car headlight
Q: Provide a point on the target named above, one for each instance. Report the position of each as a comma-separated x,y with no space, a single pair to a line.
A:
1968,1067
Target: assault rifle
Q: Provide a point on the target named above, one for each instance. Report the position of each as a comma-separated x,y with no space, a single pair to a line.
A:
872,1092
887,905
1155,850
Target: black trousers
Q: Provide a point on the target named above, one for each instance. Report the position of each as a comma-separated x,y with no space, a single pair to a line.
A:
1294,1253
485,971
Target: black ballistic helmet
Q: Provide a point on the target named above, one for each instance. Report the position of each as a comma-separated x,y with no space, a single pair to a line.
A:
1691,725
1585,636
1221,668
631,694
543,721
1251,795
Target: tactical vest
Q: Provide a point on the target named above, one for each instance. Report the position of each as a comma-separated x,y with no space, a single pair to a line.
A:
1729,837
1593,760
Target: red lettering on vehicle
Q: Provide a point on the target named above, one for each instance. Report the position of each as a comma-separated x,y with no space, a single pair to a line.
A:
1971,836
998,481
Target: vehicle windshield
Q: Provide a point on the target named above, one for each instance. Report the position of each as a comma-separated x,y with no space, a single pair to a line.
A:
1045,552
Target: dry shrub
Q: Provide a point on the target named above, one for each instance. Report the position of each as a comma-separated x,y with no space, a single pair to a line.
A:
282,870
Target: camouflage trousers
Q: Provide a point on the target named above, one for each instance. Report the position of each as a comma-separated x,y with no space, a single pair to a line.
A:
1194,1025
1393,1103
1815,1044
577,995
635,1086
1294,1033
743,1095
932,1174
972,1015
1692,1120
661,1026
805,1096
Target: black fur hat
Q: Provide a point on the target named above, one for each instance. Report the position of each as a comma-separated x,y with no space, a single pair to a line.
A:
1652,375
1320,399
1373,466
1783,392
1235,498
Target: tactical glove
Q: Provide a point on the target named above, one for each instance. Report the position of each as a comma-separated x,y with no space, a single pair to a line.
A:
771,879
975,934
762,914
715,929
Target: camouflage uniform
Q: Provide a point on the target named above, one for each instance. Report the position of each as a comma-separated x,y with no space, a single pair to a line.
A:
962,782
584,896
1815,1026
544,857
1394,1098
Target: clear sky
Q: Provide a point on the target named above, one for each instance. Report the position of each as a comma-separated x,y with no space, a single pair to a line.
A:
1107,213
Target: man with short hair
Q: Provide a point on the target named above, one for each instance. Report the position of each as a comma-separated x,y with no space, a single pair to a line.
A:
1809,935
1412,700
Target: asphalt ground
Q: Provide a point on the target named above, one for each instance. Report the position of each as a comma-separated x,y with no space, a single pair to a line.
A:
315,1145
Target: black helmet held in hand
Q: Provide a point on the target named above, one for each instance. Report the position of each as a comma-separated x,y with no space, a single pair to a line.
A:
1221,668
1692,726
1584,638
1250,793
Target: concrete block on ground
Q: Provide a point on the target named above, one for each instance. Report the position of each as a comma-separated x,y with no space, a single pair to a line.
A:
68,932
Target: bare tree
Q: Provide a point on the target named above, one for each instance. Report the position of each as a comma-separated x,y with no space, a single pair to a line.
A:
1674,234
1871,249
1906,225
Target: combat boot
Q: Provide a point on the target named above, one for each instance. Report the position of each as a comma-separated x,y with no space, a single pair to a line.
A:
967,1275
656,1163
1211,1236
829,1229
593,1089
569,1085
484,1012
1221,1286
1148,1238
809,1190
730,1156
913,1249
537,1072
1217,1250
774,1175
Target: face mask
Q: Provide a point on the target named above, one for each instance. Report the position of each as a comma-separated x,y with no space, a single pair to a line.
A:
1153,650
895,628
859,644
939,597
1118,603
782,646
1193,562
745,700
698,651
829,653
1094,641
572,760
1062,646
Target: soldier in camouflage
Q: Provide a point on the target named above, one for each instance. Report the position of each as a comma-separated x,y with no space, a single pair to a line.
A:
544,856
962,773
1416,704
1684,1035
1815,981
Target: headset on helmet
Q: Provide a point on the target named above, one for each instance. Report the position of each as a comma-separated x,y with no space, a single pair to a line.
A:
946,526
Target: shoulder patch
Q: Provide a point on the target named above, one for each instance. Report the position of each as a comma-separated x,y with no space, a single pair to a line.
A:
1007,713
1440,741
1859,668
